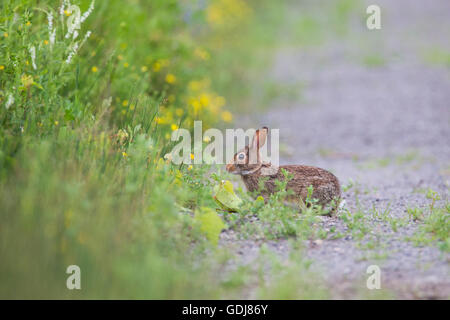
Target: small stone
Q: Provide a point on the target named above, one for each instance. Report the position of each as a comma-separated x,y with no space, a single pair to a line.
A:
318,242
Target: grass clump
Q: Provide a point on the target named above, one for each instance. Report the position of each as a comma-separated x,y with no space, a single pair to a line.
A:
435,223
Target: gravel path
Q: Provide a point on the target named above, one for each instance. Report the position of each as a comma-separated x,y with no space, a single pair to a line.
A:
386,127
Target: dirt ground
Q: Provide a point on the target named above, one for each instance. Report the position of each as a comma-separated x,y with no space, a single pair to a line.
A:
380,121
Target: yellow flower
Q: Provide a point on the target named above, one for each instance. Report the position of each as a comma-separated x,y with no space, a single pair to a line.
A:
28,23
196,104
207,139
204,100
126,65
174,127
56,123
214,15
227,13
178,177
156,66
202,54
27,80
226,116
125,103
160,164
124,154
164,62
6,34
2,67
67,13
195,85
192,156
94,69
144,69
190,167
170,78
46,42
179,112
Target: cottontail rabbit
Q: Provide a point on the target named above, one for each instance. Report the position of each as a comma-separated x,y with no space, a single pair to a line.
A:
248,163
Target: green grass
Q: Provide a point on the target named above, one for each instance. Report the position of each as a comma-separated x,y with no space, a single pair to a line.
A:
293,278
374,61
83,179
434,227
276,218
412,158
356,222
437,56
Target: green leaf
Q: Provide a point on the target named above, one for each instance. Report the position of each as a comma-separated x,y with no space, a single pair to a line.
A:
210,223
68,115
226,198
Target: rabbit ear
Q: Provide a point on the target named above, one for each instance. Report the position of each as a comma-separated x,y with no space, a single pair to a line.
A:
259,139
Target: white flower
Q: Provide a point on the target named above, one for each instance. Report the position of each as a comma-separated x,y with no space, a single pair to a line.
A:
88,12
50,22
10,101
33,56
76,46
72,53
87,35
52,37
65,4
51,31
73,23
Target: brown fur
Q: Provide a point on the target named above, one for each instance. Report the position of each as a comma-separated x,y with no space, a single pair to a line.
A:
325,185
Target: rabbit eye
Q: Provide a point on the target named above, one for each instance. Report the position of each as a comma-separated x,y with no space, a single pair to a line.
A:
241,156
